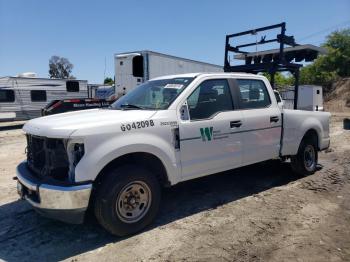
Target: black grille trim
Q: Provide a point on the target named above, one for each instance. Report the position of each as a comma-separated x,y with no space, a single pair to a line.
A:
47,157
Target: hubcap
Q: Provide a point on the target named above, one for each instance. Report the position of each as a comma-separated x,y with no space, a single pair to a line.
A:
133,202
309,158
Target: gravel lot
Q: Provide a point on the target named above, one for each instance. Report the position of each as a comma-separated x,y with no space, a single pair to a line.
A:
258,213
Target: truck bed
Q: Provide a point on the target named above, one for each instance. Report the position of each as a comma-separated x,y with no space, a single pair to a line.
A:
297,122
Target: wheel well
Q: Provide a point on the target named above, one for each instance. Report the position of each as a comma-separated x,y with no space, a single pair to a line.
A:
149,161
312,134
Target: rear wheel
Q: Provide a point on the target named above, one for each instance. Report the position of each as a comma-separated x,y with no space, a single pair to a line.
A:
127,200
305,162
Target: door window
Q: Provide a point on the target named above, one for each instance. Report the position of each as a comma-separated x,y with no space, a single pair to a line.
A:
210,98
253,94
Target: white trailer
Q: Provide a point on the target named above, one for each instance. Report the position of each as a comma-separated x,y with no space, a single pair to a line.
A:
310,97
100,91
22,98
104,92
134,68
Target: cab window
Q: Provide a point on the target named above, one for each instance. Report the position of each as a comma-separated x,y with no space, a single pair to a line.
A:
253,94
210,98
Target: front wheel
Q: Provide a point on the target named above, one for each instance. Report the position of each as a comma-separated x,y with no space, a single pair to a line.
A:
127,200
305,162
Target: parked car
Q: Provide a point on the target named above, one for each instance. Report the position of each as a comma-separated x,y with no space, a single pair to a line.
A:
163,132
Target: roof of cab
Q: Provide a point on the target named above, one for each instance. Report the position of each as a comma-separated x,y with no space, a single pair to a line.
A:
203,74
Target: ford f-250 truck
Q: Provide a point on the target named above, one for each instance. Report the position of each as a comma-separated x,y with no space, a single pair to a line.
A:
165,131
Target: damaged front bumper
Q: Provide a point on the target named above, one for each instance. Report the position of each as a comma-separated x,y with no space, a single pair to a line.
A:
67,203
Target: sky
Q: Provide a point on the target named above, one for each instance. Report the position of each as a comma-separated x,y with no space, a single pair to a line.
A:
89,33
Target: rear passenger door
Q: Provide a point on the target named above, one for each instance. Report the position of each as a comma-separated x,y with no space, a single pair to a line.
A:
207,144
261,128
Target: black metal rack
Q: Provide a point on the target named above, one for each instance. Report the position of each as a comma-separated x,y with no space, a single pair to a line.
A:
271,62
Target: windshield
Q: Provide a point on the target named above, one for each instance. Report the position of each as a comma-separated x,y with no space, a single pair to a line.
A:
154,95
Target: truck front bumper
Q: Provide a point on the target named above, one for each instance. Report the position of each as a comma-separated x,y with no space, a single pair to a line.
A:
66,203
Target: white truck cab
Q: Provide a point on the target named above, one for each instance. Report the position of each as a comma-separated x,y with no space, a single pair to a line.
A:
165,131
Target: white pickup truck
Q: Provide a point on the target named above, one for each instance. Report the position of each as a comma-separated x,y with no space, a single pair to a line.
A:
165,131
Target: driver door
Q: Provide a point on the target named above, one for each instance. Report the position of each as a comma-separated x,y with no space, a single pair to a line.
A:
210,140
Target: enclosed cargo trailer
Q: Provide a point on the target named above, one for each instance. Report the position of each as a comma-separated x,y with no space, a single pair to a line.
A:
134,68
310,97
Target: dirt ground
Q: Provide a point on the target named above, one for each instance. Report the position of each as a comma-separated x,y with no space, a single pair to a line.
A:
258,213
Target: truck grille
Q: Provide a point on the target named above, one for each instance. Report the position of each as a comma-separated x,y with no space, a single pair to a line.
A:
47,157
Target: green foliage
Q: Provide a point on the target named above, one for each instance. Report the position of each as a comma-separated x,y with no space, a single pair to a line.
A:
108,81
338,57
326,68
316,73
60,67
281,80
335,64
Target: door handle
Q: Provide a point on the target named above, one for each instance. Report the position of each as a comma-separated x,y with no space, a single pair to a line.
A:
274,119
237,123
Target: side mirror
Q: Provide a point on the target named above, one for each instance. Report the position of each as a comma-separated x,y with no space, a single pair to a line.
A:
278,98
280,104
184,114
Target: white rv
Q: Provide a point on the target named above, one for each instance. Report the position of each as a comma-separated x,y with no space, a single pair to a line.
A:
134,68
310,98
22,98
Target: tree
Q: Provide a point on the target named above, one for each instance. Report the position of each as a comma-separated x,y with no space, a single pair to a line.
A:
338,57
108,81
317,73
326,68
335,64
60,67
281,80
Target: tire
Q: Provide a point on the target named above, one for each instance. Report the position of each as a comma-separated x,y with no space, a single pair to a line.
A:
127,200
305,162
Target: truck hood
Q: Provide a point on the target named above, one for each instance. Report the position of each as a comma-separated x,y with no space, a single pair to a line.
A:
64,125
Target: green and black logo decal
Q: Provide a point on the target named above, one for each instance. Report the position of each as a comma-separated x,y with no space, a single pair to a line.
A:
206,133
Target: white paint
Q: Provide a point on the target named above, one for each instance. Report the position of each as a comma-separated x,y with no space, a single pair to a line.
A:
154,65
22,87
310,98
7,115
256,140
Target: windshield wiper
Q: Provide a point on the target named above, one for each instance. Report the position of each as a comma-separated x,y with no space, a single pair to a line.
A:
131,106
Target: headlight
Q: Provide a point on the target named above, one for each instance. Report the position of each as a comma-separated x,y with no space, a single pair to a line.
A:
78,152
75,151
